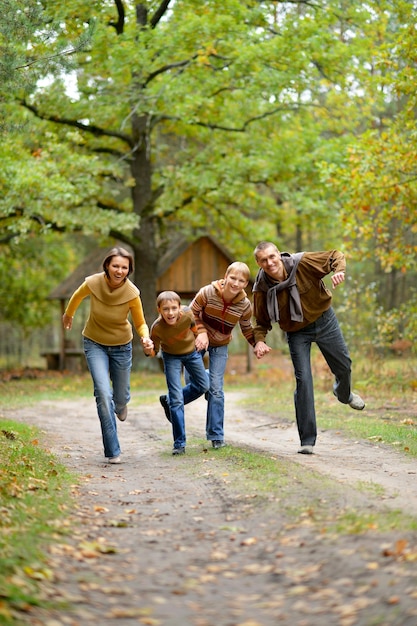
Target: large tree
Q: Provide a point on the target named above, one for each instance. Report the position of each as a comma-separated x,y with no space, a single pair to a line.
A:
139,147
189,115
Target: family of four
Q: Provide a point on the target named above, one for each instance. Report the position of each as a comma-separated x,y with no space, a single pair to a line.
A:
288,290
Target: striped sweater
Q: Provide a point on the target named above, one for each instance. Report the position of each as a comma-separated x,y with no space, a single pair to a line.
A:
218,317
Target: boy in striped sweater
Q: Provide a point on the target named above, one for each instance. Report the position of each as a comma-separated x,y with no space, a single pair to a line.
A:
218,308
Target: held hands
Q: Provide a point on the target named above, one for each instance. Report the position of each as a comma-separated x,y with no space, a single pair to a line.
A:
261,349
337,278
67,321
147,345
201,342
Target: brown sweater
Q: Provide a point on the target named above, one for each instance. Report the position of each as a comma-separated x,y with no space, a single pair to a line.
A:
178,338
314,295
108,322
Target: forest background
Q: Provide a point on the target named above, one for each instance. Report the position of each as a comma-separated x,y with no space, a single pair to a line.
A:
142,122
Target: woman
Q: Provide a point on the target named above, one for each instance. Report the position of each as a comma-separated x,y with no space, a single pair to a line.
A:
107,339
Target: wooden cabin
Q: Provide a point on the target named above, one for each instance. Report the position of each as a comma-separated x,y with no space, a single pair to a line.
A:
184,268
187,266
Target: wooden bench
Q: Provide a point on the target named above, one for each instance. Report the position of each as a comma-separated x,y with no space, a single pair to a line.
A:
72,360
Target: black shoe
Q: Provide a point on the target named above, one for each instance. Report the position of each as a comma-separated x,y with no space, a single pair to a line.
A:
164,401
176,451
217,443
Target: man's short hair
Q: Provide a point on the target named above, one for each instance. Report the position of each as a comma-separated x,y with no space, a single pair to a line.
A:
262,245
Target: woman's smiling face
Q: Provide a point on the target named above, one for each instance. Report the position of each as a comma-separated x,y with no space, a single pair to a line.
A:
118,270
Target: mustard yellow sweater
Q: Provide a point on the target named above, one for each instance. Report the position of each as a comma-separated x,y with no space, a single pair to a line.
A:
108,322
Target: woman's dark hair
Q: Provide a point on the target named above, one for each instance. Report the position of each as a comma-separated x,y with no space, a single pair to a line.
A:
117,252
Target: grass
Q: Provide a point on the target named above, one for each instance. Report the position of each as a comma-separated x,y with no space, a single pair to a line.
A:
34,501
264,482
390,421
29,390
389,389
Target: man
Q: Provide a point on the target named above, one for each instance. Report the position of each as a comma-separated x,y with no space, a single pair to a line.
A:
289,290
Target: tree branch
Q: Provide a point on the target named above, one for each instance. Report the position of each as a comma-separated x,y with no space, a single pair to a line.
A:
234,129
89,128
119,25
166,68
160,12
48,58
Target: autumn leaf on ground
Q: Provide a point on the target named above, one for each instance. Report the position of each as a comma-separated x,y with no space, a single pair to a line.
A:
95,548
250,541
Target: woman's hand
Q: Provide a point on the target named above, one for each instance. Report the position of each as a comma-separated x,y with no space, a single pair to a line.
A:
147,345
67,321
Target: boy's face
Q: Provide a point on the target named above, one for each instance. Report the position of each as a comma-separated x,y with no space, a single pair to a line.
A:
170,311
234,282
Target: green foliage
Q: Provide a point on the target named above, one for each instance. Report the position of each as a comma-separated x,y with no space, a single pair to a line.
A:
244,120
46,189
225,84
376,180
398,324
19,22
31,268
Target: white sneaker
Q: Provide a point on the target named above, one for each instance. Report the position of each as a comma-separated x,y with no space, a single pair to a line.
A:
356,402
114,460
306,450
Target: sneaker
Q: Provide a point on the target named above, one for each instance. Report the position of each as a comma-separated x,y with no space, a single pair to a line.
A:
356,402
217,443
306,450
165,405
122,415
114,460
177,451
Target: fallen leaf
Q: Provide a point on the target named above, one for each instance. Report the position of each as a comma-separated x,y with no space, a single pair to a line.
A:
250,541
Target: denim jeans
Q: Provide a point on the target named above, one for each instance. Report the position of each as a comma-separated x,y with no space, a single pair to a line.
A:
110,370
326,333
179,396
215,405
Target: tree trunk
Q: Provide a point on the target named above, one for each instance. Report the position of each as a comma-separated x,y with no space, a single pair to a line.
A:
144,241
146,258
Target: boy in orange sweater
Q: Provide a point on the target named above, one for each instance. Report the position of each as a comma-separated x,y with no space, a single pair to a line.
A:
175,332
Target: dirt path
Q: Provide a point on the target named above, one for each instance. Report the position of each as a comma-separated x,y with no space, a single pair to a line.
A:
165,544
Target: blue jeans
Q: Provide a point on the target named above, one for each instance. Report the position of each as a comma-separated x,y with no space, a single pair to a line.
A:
179,396
215,405
110,370
326,333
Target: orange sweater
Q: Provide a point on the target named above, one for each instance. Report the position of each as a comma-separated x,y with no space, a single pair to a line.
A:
108,322
178,338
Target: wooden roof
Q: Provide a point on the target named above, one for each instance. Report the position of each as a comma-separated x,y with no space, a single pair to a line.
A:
187,266
184,268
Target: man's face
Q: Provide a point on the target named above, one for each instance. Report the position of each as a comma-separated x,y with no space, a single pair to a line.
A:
269,260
